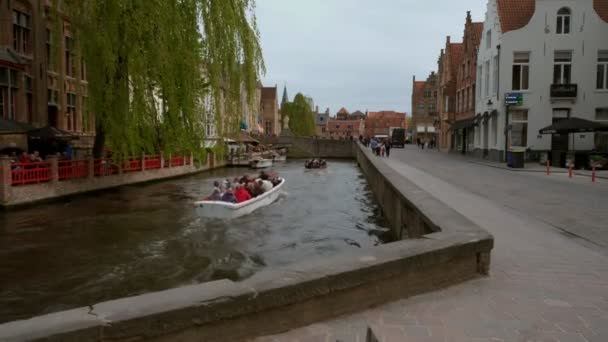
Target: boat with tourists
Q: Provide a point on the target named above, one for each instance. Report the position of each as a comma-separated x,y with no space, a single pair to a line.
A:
260,163
250,195
315,164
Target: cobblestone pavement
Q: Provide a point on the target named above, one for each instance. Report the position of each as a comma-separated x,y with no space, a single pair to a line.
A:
545,284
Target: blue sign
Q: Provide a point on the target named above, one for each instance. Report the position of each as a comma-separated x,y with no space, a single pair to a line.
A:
514,99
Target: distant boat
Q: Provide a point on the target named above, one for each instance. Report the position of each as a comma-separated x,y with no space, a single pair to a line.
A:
260,163
279,158
322,164
225,210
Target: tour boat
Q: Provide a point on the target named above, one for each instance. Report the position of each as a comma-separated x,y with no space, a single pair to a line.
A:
260,163
225,210
309,165
279,158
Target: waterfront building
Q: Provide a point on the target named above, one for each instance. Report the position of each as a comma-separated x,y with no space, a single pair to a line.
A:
269,104
424,108
345,129
36,87
321,120
552,56
463,128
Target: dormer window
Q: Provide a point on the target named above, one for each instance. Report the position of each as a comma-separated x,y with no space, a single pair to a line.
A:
563,21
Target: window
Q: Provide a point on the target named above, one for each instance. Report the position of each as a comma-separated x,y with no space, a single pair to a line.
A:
487,80
8,93
21,32
3,95
519,128
562,67
49,65
489,39
602,70
521,71
53,96
421,107
71,110
70,68
601,114
563,21
447,104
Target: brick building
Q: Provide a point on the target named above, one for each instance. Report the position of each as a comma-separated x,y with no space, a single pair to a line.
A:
463,128
321,120
424,107
380,123
35,86
345,129
269,106
342,114
449,61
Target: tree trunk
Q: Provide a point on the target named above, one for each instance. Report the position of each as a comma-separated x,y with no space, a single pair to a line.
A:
100,140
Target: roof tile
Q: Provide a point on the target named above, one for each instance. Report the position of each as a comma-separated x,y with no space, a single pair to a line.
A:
515,14
601,7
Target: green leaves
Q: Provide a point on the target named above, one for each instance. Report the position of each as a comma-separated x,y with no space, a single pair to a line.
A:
157,68
301,120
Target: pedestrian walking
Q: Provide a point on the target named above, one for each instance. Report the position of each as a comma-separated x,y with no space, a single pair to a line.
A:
387,148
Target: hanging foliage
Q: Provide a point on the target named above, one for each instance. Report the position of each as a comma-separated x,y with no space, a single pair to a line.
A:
159,71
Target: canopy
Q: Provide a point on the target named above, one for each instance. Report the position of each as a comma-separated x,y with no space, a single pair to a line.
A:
50,132
10,126
245,138
462,124
574,125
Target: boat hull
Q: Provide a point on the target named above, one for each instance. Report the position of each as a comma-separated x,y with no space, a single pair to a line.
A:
225,210
261,163
280,159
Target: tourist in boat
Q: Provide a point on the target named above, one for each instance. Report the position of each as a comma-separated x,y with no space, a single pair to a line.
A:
215,195
254,189
228,196
265,185
241,193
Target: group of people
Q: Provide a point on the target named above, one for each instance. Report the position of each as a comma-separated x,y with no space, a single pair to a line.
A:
380,148
244,188
426,143
315,163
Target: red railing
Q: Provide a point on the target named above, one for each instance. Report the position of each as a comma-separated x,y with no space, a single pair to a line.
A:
70,169
131,165
104,167
27,173
152,162
177,161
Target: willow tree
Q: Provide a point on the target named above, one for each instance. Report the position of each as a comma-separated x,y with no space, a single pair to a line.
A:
156,68
301,120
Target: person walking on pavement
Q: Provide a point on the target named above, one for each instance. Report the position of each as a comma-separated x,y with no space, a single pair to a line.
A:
387,148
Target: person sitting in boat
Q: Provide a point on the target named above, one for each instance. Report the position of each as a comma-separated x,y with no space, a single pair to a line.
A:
323,163
241,193
228,196
254,189
265,185
215,195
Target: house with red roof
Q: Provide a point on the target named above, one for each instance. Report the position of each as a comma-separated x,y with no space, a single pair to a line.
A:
345,129
551,59
380,123
449,61
424,107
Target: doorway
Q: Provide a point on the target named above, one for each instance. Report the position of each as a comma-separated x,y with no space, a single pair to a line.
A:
52,116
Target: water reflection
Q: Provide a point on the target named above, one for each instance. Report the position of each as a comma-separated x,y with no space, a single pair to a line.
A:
144,238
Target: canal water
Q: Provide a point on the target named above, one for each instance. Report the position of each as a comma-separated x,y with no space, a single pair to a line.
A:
143,238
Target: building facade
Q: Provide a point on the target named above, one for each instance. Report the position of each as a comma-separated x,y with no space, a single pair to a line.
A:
463,128
553,57
321,120
345,129
41,84
269,107
450,59
381,123
424,108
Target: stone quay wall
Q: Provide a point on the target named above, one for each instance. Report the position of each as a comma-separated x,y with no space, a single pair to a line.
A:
452,249
300,147
15,195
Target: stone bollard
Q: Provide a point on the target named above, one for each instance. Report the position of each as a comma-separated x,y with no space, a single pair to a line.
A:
6,179
54,168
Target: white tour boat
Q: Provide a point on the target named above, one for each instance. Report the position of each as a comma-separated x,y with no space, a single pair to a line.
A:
225,210
279,158
260,163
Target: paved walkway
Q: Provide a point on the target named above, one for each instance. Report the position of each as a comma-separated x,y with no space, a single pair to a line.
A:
545,284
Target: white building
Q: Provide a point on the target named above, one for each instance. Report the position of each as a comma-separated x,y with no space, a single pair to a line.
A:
555,54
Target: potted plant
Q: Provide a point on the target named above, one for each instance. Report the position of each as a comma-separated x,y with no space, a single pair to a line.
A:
598,160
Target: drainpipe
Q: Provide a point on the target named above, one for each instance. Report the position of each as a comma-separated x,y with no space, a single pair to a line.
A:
504,155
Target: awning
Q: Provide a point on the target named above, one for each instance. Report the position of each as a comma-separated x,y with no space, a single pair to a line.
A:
574,125
50,132
463,124
11,126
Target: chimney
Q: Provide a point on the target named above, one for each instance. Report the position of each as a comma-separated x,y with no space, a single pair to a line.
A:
468,17
448,39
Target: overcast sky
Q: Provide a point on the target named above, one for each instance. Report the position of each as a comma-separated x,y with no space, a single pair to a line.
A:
360,54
